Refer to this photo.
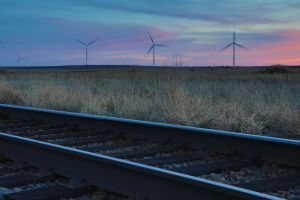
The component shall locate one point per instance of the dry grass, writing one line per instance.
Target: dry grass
(234, 100)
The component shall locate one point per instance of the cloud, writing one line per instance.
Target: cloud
(220, 11)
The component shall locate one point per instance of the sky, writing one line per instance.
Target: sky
(45, 32)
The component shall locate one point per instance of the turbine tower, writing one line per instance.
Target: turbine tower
(86, 48)
(19, 57)
(152, 48)
(233, 44)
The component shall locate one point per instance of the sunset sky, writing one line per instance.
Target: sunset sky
(45, 31)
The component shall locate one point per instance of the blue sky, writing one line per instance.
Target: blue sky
(45, 31)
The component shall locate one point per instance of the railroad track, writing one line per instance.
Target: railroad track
(147, 160)
(20, 181)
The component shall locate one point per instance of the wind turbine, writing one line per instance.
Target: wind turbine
(152, 48)
(86, 48)
(233, 44)
(19, 57)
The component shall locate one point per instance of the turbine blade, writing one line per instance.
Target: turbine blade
(80, 41)
(241, 46)
(92, 42)
(150, 49)
(226, 47)
(161, 45)
(151, 38)
(18, 55)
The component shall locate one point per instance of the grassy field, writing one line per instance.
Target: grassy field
(258, 101)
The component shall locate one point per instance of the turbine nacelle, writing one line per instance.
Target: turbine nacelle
(86, 44)
(233, 44)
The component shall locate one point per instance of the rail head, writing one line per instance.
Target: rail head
(134, 122)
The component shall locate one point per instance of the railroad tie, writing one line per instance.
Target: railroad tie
(63, 135)
(29, 128)
(207, 168)
(105, 147)
(272, 184)
(17, 125)
(177, 158)
(13, 169)
(84, 140)
(130, 154)
(43, 133)
(16, 180)
(51, 134)
(24, 179)
(49, 193)
(78, 134)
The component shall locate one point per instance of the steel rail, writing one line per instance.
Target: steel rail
(118, 175)
(271, 149)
